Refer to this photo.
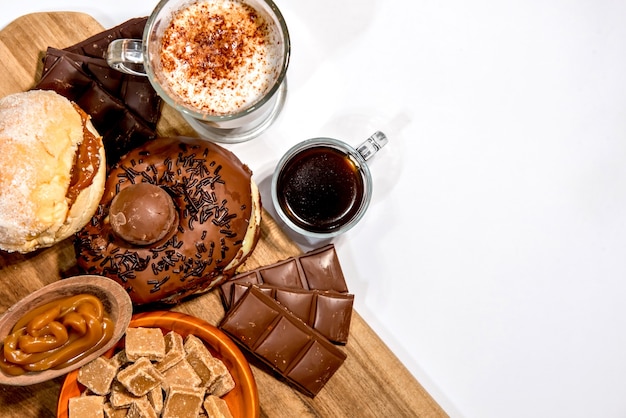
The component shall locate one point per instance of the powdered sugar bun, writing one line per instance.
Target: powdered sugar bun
(53, 170)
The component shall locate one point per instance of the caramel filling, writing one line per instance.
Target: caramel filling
(56, 335)
(86, 161)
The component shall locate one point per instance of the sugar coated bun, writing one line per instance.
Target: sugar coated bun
(53, 170)
(178, 217)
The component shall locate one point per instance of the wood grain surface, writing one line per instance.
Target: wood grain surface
(371, 383)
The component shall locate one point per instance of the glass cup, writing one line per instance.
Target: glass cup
(223, 70)
(322, 187)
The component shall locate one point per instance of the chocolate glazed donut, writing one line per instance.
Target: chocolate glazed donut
(178, 216)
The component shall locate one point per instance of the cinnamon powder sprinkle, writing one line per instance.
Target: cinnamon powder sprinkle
(219, 57)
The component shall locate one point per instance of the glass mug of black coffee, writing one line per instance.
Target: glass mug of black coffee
(322, 186)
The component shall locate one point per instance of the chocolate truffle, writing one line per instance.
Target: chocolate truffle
(142, 214)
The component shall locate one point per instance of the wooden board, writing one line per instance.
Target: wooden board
(371, 383)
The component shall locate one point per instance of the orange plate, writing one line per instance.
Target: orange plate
(243, 400)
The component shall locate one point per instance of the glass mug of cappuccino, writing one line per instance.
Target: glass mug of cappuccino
(322, 187)
(220, 63)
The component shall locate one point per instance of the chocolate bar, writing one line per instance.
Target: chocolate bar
(124, 108)
(295, 351)
(317, 269)
(121, 129)
(96, 45)
(325, 311)
(135, 92)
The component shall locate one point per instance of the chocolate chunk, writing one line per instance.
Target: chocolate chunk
(96, 45)
(295, 351)
(327, 312)
(135, 92)
(121, 129)
(318, 269)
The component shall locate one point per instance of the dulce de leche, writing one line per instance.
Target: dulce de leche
(56, 335)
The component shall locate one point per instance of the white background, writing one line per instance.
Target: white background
(492, 259)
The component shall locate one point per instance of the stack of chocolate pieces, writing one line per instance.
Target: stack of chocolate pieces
(124, 108)
(292, 315)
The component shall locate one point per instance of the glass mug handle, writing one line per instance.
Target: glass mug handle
(126, 55)
(372, 145)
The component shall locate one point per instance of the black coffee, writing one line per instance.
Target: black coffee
(320, 189)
